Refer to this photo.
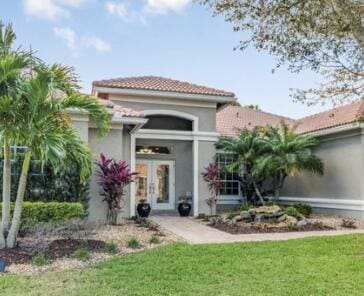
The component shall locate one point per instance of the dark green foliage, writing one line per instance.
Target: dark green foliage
(51, 211)
(39, 260)
(134, 243)
(44, 184)
(155, 239)
(292, 211)
(304, 209)
(82, 254)
(111, 248)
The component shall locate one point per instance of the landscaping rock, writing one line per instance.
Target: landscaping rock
(268, 210)
(302, 223)
(291, 220)
(237, 219)
(246, 215)
(282, 218)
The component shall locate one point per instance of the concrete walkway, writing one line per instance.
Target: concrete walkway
(194, 232)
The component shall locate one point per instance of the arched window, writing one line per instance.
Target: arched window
(167, 122)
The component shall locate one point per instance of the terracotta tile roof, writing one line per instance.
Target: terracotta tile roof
(161, 84)
(120, 111)
(342, 115)
(231, 119)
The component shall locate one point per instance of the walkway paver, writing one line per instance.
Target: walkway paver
(196, 233)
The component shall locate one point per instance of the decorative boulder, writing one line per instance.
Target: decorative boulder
(246, 215)
(282, 218)
(237, 219)
(268, 209)
(302, 223)
(291, 220)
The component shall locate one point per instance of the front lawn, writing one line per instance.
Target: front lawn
(313, 266)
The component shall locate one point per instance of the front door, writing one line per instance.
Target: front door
(155, 183)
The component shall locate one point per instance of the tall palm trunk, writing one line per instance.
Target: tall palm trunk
(6, 188)
(2, 238)
(15, 223)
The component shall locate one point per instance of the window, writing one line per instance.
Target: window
(230, 180)
(152, 150)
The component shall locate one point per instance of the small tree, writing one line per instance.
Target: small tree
(114, 176)
(211, 176)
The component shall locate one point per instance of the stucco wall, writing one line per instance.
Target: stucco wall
(343, 159)
(181, 153)
(111, 146)
(207, 153)
(206, 115)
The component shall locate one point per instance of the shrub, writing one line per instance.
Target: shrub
(245, 206)
(51, 211)
(232, 214)
(155, 239)
(111, 248)
(304, 209)
(133, 243)
(292, 211)
(39, 260)
(82, 254)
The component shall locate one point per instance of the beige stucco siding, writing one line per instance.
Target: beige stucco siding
(342, 155)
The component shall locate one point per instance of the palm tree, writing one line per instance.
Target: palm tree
(13, 66)
(248, 147)
(43, 126)
(289, 153)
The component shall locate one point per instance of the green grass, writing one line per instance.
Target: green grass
(313, 266)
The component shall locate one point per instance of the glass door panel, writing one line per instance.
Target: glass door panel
(142, 181)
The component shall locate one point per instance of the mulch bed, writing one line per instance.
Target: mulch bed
(57, 249)
(243, 229)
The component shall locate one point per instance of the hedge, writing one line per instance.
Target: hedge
(51, 211)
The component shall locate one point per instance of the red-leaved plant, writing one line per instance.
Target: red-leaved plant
(114, 176)
(211, 176)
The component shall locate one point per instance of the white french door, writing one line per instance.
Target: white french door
(155, 183)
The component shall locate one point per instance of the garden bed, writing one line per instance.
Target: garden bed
(265, 228)
(59, 245)
(278, 219)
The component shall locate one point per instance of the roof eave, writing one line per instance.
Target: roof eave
(165, 94)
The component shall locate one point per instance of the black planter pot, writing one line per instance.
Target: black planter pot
(143, 210)
(184, 209)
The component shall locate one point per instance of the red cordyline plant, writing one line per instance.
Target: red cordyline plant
(114, 176)
(211, 176)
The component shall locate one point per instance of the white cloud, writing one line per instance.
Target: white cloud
(45, 9)
(164, 6)
(50, 9)
(122, 11)
(68, 36)
(96, 43)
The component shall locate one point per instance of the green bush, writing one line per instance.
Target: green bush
(133, 243)
(245, 206)
(111, 248)
(304, 209)
(82, 254)
(51, 211)
(39, 260)
(155, 239)
(292, 211)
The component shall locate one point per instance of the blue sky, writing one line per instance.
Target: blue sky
(173, 38)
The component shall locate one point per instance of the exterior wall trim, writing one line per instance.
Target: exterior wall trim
(328, 203)
(165, 94)
(336, 129)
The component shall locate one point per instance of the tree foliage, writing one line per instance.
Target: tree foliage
(325, 36)
(267, 156)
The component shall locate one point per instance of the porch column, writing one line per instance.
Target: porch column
(195, 177)
(132, 168)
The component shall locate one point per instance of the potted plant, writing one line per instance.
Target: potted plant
(143, 208)
(184, 208)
